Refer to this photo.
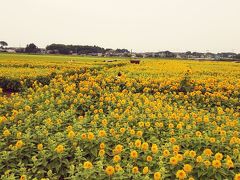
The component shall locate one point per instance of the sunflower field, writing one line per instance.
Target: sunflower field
(160, 119)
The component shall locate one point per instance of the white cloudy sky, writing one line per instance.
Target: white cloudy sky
(141, 25)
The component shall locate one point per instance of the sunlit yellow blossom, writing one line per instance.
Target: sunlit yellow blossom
(207, 152)
(40, 147)
(176, 148)
(161, 125)
(119, 148)
(199, 159)
(218, 156)
(102, 146)
(90, 136)
(19, 135)
(186, 153)
(179, 126)
(192, 153)
(145, 170)
(6, 133)
(157, 176)
(181, 174)
(141, 124)
(87, 165)
(147, 124)
(173, 160)
(122, 130)
(172, 140)
(216, 163)
(229, 164)
(104, 122)
(116, 158)
(212, 140)
(166, 153)
(23, 177)
(154, 148)
(207, 163)
(170, 125)
(71, 134)
(19, 144)
(139, 133)
(144, 146)
(110, 170)
(134, 154)
(102, 133)
(135, 170)
(27, 108)
(138, 143)
(237, 176)
(59, 148)
(179, 157)
(101, 152)
(187, 168)
(198, 134)
(118, 168)
(149, 158)
(84, 136)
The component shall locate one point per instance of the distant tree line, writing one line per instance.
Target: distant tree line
(237, 56)
(94, 50)
(69, 49)
(79, 49)
(122, 51)
(65, 49)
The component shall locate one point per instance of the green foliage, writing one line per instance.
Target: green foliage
(186, 84)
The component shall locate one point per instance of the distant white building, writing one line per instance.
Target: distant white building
(11, 50)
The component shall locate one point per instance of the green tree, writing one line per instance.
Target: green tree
(31, 48)
(3, 43)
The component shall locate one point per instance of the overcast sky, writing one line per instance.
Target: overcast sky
(140, 25)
